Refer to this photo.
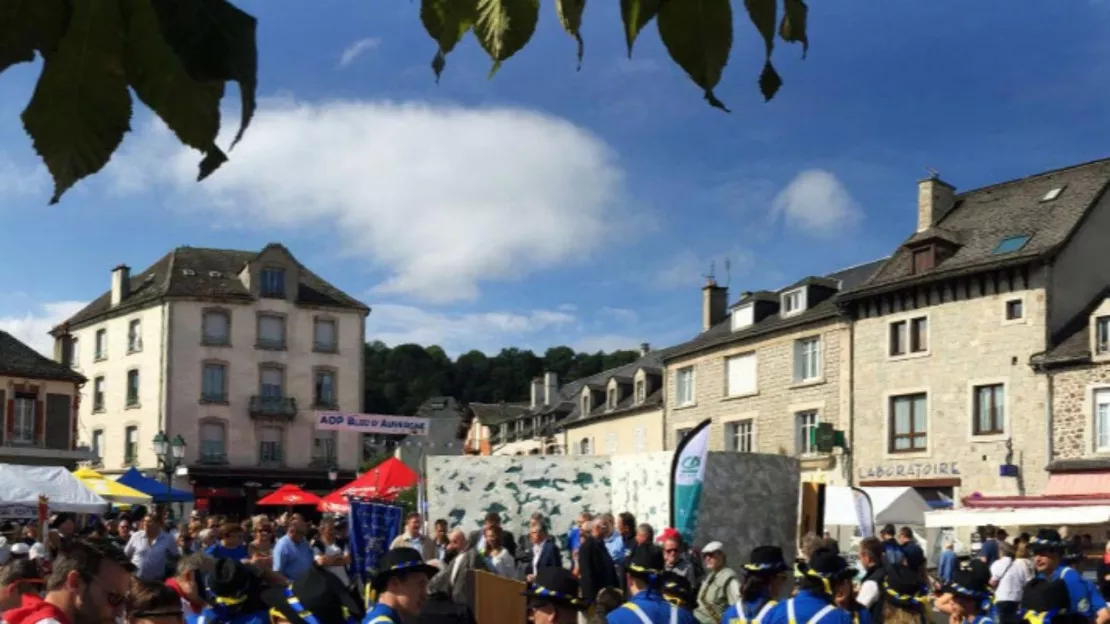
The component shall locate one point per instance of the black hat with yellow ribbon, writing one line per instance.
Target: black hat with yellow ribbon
(1048, 602)
(828, 567)
(646, 563)
(555, 585)
(316, 597)
(400, 562)
(904, 588)
(971, 581)
(677, 590)
(1047, 540)
(232, 585)
(766, 560)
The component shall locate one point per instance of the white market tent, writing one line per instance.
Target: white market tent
(899, 506)
(22, 485)
(1019, 516)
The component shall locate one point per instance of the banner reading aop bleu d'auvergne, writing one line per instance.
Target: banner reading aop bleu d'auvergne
(372, 423)
(687, 475)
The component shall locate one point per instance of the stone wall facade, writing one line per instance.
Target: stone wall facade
(970, 343)
(1073, 410)
(749, 499)
(778, 399)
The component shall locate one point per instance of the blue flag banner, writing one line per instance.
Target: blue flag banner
(374, 525)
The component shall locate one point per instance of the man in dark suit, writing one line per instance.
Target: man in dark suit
(477, 540)
(543, 552)
(595, 565)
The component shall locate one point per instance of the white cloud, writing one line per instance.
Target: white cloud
(688, 270)
(356, 49)
(16, 180)
(606, 342)
(33, 326)
(441, 197)
(622, 316)
(396, 324)
(817, 203)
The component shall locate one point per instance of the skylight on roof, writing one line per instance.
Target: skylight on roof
(1053, 194)
(1011, 244)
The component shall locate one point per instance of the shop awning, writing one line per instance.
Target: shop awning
(1019, 516)
(1078, 483)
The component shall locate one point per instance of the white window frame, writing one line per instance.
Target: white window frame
(262, 381)
(611, 443)
(134, 335)
(23, 420)
(326, 451)
(743, 316)
(802, 356)
(797, 302)
(128, 400)
(325, 347)
(100, 345)
(639, 389)
(689, 397)
(585, 446)
(212, 339)
(129, 432)
(908, 320)
(741, 390)
(887, 411)
(972, 386)
(612, 396)
(1006, 301)
(1099, 396)
(99, 384)
(97, 444)
(802, 446)
(1100, 336)
(736, 438)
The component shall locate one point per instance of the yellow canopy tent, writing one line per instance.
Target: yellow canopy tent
(111, 491)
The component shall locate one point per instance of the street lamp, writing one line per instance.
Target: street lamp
(171, 454)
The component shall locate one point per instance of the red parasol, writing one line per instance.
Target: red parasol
(287, 496)
(384, 481)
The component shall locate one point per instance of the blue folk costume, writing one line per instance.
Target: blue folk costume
(398, 562)
(316, 597)
(233, 591)
(765, 563)
(971, 583)
(554, 586)
(648, 606)
(814, 602)
(1084, 598)
(677, 590)
(1047, 602)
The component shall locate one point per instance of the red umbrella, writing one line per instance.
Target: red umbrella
(384, 481)
(289, 495)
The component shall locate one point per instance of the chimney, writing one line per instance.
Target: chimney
(714, 304)
(537, 392)
(645, 348)
(550, 388)
(121, 284)
(935, 198)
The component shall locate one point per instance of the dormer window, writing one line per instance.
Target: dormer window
(586, 405)
(273, 283)
(612, 399)
(641, 391)
(924, 259)
(742, 316)
(793, 302)
(1102, 335)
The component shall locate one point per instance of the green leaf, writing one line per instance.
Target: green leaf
(570, 16)
(769, 81)
(764, 16)
(189, 107)
(30, 25)
(215, 41)
(81, 107)
(793, 27)
(698, 36)
(505, 26)
(636, 14)
(446, 22)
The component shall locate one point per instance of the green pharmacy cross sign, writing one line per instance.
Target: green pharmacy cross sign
(823, 438)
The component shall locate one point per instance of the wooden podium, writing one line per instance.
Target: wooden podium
(497, 599)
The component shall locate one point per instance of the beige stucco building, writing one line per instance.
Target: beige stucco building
(767, 371)
(944, 399)
(232, 350)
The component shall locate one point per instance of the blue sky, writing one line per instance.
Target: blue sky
(549, 206)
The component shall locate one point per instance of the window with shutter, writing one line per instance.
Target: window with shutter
(741, 371)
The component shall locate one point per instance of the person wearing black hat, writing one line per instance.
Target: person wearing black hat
(1047, 602)
(316, 597)
(967, 597)
(824, 576)
(678, 591)
(233, 595)
(646, 604)
(554, 597)
(401, 586)
(1048, 551)
(764, 578)
(903, 597)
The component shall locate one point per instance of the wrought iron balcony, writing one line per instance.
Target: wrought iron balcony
(273, 407)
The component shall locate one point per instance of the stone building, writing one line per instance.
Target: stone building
(1077, 372)
(944, 399)
(232, 350)
(767, 370)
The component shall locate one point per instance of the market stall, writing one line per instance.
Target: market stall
(288, 495)
(112, 491)
(382, 482)
(157, 490)
(21, 486)
(900, 506)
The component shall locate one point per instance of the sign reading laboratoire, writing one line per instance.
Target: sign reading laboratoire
(372, 423)
(915, 471)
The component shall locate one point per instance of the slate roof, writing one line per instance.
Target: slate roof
(207, 274)
(983, 217)
(721, 334)
(490, 414)
(19, 360)
(1071, 345)
(571, 392)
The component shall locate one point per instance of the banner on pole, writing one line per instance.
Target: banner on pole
(372, 423)
(687, 475)
(373, 527)
(865, 514)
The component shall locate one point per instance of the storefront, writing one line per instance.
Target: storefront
(232, 491)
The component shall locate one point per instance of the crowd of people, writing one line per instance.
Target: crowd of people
(141, 569)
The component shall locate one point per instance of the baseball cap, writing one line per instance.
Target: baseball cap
(712, 547)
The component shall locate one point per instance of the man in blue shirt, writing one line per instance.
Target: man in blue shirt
(401, 586)
(317, 597)
(822, 577)
(989, 551)
(1048, 550)
(292, 554)
(946, 565)
(646, 604)
(230, 545)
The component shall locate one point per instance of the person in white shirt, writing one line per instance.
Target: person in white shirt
(1009, 574)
